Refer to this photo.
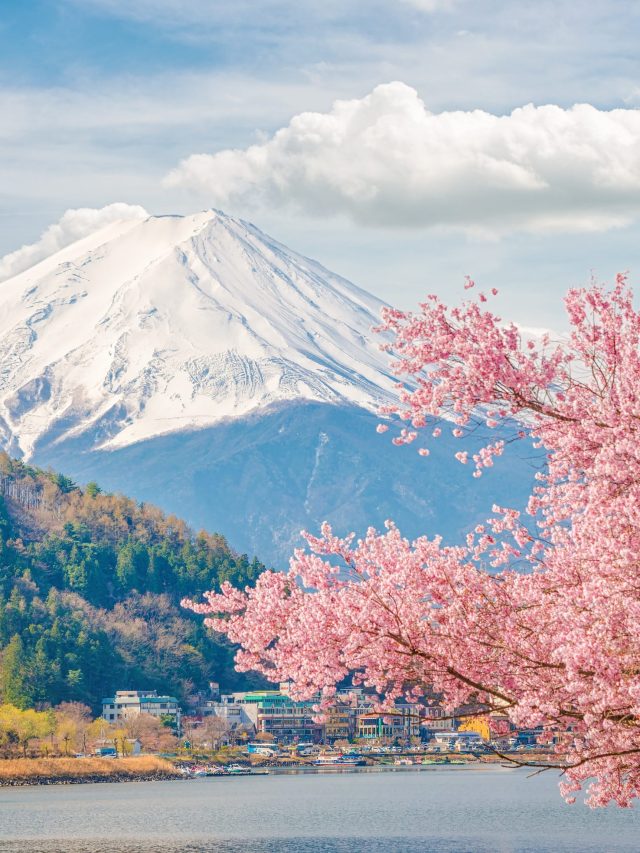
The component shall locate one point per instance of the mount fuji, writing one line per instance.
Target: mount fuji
(199, 364)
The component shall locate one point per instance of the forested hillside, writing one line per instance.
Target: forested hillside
(90, 585)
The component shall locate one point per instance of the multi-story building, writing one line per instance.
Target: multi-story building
(339, 723)
(402, 724)
(238, 715)
(127, 703)
(436, 719)
(278, 715)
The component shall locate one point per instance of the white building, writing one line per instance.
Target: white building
(128, 703)
(459, 741)
(236, 713)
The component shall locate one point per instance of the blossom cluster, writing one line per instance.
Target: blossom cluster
(540, 620)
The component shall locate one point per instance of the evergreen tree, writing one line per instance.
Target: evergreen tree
(15, 681)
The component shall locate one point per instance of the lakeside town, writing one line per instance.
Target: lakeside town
(273, 717)
(219, 733)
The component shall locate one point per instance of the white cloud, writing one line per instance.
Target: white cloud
(73, 225)
(386, 160)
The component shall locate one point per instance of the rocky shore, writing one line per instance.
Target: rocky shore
(72, 771)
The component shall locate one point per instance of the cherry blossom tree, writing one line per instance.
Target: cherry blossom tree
(534, 615)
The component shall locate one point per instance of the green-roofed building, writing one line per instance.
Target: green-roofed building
(279, 715)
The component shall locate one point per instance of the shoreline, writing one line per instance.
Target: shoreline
(26, 772)
(175, 776)
(35, 781)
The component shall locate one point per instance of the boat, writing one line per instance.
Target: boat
(339, 761)
(327, 760)
(238, 770)
(352, 760)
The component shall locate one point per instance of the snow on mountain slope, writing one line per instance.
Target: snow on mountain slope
(147, 327)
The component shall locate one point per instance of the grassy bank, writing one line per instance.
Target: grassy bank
(50, 771)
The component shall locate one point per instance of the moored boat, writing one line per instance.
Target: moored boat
(339, 761)
(238, 770)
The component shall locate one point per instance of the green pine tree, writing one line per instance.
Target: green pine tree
(15, 682)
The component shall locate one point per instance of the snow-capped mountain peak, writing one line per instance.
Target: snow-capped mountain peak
(168, 323)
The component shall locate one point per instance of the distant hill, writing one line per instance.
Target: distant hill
(264, 478)
(90, 585)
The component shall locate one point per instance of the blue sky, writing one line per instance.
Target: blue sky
(101, 100)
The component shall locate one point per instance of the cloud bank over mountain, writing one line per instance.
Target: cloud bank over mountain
(72, 226)
(386, 160)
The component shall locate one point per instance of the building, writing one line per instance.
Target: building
(276, 714)
(241, 718)
(339, 723)
(459, 741)
(128, 703)
(371, 726)
(479, 724)
(402, 724)
(268, 750)
(434, 718)
(110, 747)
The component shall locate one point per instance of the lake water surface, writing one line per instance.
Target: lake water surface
(444, 810)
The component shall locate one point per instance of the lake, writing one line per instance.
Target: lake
(444, 810)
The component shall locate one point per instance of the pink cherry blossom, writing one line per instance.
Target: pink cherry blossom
(535, 616)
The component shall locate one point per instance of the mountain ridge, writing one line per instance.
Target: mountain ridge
(157, 325)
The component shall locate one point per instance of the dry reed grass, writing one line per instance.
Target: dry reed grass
(32, 769)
